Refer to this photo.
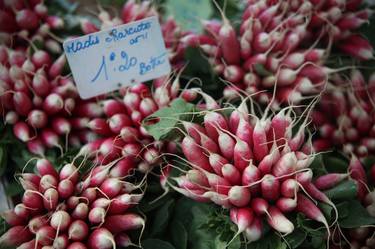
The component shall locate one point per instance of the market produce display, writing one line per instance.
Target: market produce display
(262, 135)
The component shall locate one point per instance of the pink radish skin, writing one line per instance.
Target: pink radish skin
(255, 230)
(57, 66)
(260, 139)
(46, 182)
(123, 240)
(65, 188)
(41, 58)
(100, 126)
(250, 175)
(270, 188)
(22, 103)
(44, 167)
(29, 245)
(78, 245)
(80, 212)
(60, 220)
(231, 173)
(22, 131)
(120, 223)
(118, 121)
(89, 110)
(286, 204)
(12, 219)
(111, 187)
(15, 236)
(285, 165)
(61, 126)
(51, 198)
(242, 217)
(21, 211)
(289, 188)
(308, 208)
(50, 138)
(279, 222)
(101, 238)
(69, 171)
(239, 196)
(61, 242)
(53, 103)
(45, 235)
(195, 154)
(32, 200)
(90, 194)
(330, 180)
(216, 162)
(78, 230)
(37, 119)
(40, 85)
(27, 19)
(36, 223)
(259, 206)
(97, 215)
(122, 168)
(358, 174)
(241, 155)
(112, 107)
(213, 122)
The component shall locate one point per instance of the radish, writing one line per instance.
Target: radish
(80, 211)
(120, 223)
(53, 103)
(22, 103)
(239, 196)
(65, 188)
(15, 236)
(50, 199)
(78, 230)
(61, 242)
(12, 218)
(255, 230)
(101, 238)
(45, 235)
(22, 131)
(46, 182)
(270, 187)
(259, 206)
(37, 119)
(60, 220)
(97, 215)
(279, 222)
(329, 180)
(27, 19)
(21, 211)
(77, 245)
(308, 208)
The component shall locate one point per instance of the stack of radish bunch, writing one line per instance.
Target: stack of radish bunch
(252, 166)
(22, 22)
(62, 210)
(271, 48)
(133, 11)
(345, 116)
(267, 51)
(35, 98)
(338, 21)
(117, 123)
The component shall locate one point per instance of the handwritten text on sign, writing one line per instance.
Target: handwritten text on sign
(104, 61)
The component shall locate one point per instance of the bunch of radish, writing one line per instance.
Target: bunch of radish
(253, 166)
(66, 210)
(277, 45)
(35, 98)
(113, 126)
(345, 117)
(132, 10)
(360, 237)
(22, 22)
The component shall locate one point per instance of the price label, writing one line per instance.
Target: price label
(104, 61)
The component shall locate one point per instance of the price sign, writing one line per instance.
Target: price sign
(104, 61)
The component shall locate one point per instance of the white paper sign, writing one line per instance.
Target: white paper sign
(104, 61)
